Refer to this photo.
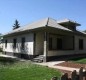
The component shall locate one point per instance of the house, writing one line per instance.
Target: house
(46, 37)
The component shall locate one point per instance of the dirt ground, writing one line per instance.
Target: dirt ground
(72, 65)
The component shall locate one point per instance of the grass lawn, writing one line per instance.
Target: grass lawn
(80, 60)
(26, 71)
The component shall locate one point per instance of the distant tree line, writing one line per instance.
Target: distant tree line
(84, 31)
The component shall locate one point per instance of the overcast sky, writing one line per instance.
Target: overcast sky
(27, 11)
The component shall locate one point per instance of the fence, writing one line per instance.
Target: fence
(74, 75)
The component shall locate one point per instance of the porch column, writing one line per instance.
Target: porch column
(45, 46)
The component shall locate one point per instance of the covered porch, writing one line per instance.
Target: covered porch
(52, 43)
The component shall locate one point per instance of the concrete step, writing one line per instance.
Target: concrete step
(38, 58)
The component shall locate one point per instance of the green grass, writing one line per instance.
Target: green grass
(80, 60)
(26, 71)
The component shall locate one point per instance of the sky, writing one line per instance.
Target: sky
(28, 11)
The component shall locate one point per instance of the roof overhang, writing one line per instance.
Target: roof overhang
(68, 22)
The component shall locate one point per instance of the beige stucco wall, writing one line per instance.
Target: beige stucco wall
(59, 52)
(29, 44)
(69, 52)
(39, 43)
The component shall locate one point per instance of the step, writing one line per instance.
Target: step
(38, 58)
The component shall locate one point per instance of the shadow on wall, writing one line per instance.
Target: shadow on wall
(24, 53)
(19, 48)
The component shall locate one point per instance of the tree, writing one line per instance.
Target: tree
(16, 25)
(84, 31)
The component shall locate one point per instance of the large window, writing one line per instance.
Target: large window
(14, 43)
(80, 44)
(61, 42)
(55, 43)
(23, 43)
(5, 43)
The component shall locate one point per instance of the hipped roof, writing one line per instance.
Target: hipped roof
(47, 22)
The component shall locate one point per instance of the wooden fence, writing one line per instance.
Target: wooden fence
(74, 75)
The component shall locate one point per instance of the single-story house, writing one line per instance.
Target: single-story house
(46, 37)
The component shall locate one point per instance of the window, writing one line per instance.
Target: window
(59, 44)
(50, 43)
(14, 43)
(5, 43)
(55, 44)
(80, 44)
(23, 43)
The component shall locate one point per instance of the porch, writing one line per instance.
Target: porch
(50, 44)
